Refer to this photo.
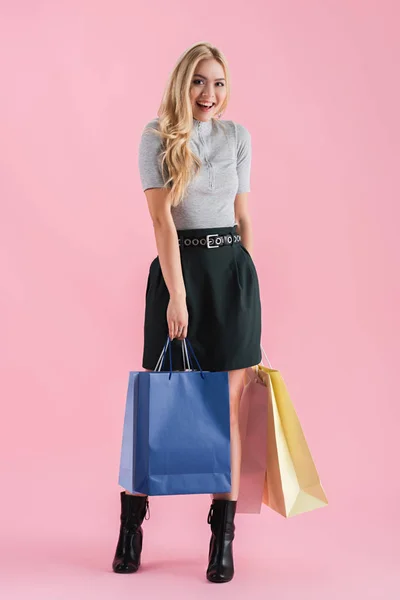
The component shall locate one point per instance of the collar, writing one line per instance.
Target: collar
(204, 127)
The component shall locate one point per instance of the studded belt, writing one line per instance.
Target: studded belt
(212, 240)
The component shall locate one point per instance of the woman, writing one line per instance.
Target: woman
(195, 173)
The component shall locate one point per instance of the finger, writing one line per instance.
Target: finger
(170, 326)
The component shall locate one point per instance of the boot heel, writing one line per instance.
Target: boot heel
(130, 541)
(220, 557)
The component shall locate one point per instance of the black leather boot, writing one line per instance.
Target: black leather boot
(129, 547)
(221, 518)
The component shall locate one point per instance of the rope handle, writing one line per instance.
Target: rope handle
(265, 354)
(185, 357)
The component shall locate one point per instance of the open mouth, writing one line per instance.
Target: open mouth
(205, 106)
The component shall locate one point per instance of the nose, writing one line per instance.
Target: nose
(208, 92)
(207, 98)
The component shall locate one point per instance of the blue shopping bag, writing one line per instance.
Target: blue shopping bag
(176, 433)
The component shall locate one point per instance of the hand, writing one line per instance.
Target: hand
(177, 318)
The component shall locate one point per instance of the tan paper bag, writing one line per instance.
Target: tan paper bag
(292, 485)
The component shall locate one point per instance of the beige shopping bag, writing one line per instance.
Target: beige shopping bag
(292, 485)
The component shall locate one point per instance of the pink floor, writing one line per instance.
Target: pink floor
(334, 552)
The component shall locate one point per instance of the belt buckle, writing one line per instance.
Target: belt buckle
(210, 235)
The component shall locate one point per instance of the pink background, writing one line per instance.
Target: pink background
(316, 83)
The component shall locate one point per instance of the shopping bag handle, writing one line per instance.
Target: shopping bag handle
(187, 365)
(186, 341)
(167, 347)
(163, 354)
(263, 351)
(185, 354)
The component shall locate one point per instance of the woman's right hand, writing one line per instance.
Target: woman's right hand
(177, 317)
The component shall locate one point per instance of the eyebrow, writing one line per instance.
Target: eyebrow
(202, 76)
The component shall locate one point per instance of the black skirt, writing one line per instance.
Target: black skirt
(223, 301)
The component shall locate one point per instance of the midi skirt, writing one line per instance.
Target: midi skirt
(223, 302)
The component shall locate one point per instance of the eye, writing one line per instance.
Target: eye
(197, 81)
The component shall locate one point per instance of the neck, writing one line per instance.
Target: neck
(203, 126)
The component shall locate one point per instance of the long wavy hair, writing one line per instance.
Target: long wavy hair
(179, 164)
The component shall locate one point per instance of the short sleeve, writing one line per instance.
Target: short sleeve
(149, 158)
(243, 162)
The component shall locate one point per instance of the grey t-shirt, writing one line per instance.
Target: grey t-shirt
(225, 151)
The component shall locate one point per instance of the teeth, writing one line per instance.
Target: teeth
(206, 105)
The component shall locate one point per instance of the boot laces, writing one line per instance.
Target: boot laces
(132, 522)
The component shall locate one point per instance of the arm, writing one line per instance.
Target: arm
(243, 167)
(243, 220)
(170, 260)
(159, 204)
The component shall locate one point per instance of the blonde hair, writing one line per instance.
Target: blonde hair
(176, 119)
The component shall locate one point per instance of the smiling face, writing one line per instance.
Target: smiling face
(207, 87)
